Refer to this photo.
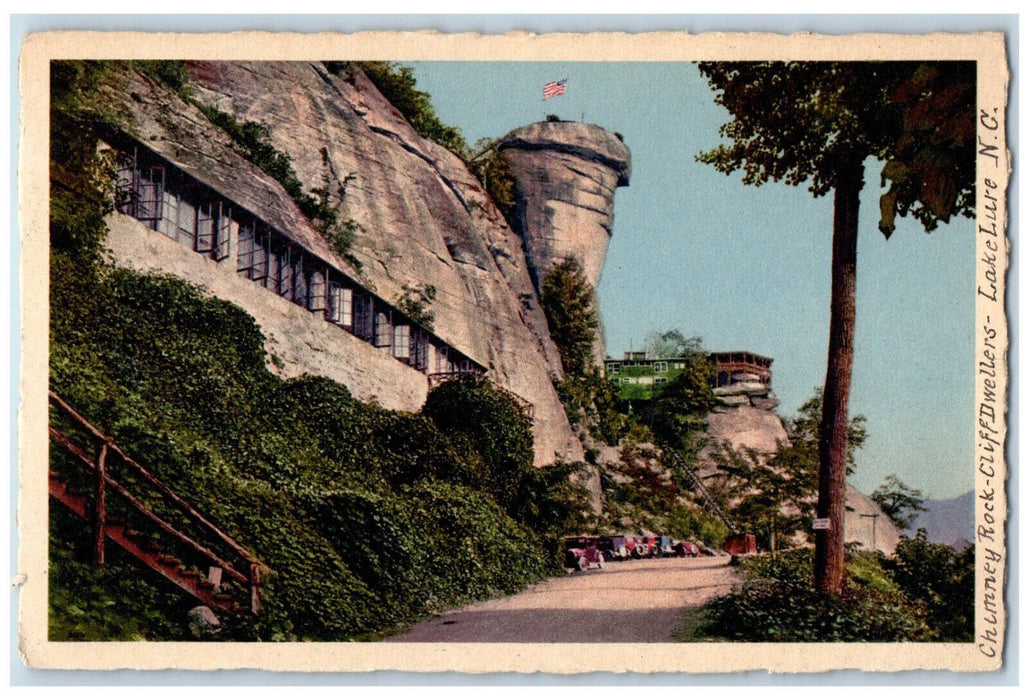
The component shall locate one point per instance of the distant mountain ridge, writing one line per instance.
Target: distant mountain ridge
(950, 521)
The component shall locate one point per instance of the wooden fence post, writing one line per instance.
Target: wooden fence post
(100, 507)
(255, 588)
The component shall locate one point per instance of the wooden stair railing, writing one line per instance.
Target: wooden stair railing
(203, 587)
(694, 482)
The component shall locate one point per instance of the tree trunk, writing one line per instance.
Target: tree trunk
(832, 442)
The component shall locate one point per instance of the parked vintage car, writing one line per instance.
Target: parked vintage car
(645, 548)
(687, 549)
(613, 548)
(582, 552)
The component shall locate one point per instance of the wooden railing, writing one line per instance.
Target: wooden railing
(98, 461)
(671, 457)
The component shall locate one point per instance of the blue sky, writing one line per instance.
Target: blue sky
(748, 267)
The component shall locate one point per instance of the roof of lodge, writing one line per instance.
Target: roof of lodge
(714, 355)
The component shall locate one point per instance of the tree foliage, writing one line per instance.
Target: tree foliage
(566, 297)
(898, 501)
(943, 579)
(671, 343)
(678, 412)
(796, 122)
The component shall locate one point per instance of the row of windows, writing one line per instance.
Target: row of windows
(640, 380)
(659, 366)
(178, 207)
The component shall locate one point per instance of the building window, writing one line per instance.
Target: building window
(363, 318)
(383, 330)
(402, 342)
(613, 367)
(419, 356)
(347, 307)
(660, 380)
(442, 361)
(253, 256)
(341, 305)
(178, 206)
(660, 366)
(301, 283)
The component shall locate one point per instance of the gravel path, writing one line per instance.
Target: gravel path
(632, 601)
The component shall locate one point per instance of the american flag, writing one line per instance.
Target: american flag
(554, 89)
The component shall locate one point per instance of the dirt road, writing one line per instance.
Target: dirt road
(632, 601)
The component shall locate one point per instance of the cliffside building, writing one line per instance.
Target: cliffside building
(638, 376)
(168, 200)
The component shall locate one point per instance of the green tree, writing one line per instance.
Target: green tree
(678, 412)
(819, 122)
(567, 300)
(898, 501)
(672, 343)
(943, 579)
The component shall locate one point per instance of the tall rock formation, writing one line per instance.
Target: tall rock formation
(565, 177)
(418, 217)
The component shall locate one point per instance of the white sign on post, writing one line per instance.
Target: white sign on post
(821, 524)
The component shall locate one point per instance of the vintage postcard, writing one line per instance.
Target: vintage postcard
(562, 353)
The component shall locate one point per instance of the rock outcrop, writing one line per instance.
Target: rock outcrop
(565, 177)
(743, 418)
(418, 215)
(866, 526)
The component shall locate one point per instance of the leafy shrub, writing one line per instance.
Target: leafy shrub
(777, 603)
(786, 611)
(943, 579)
(492, 424)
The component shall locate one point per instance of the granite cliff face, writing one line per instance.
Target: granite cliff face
(418, 215)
